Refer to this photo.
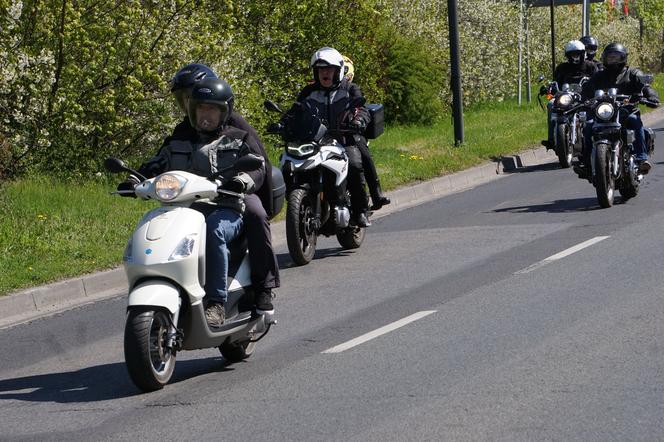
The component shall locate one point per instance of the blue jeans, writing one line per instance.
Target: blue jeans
(633, 122)
(223, 226)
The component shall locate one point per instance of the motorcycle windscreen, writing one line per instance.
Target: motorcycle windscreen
(302, 124)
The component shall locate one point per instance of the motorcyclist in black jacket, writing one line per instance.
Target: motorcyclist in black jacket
(628, 81)
(378, 199)
(340, 105)
(258, 206)
(572, 71)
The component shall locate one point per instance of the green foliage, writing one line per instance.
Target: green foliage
(82, 80)
(412, 81)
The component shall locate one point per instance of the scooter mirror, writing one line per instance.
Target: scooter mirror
(272, 106)
(248, 163)
(114, 165)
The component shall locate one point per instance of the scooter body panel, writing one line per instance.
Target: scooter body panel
(155, 292)
(169, 243)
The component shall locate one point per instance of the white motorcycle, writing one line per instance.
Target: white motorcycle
(315, 168)
(165, 266)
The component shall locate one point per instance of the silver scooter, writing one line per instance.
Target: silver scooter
(165, 266)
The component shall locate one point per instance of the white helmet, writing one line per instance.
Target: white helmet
(575, 51)
(328, 57)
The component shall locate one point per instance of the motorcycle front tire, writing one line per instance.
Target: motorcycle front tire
(299, 235)
(564, 148)
(604, 181)
(149, 362)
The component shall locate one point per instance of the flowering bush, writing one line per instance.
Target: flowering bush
(82, 80)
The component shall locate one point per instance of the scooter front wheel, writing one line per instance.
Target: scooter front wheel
(149, 362)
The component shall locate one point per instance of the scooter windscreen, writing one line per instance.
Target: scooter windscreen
(302, 124)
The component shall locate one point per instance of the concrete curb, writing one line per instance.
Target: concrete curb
(53, 298)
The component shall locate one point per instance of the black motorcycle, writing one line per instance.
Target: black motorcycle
(612, 159)
(567, 126)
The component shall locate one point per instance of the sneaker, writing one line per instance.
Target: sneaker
(644, 167)
(264, 303)
(215, 314)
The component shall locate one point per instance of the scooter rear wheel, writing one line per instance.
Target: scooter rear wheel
(149, 362)
(237, 351)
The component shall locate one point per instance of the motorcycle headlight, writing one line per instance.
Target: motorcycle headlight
(184, 248)
(168, 186)
(564, 100)
(301, 150)
(604, 111)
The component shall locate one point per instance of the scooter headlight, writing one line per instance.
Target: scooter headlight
(301, 150)
(564, 100)
(604, 111)
(168, 186)
(184, 249)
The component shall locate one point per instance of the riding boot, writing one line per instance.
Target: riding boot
(378, 200)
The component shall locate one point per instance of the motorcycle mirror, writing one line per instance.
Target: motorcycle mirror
(647, 79)
(272, 106)
(540, 78)
(613, 92)
(248, 163)
(114, 165)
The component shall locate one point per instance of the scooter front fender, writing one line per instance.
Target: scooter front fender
(156, 293)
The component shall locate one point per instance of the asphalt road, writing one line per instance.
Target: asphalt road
(537, 316)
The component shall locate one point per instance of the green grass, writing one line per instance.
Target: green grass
(55, 230)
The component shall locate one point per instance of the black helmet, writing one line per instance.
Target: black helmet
(211, 91)
(614, 56)
(186, 78)
(590, 43)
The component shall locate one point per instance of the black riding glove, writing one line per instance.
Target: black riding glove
(126, 188)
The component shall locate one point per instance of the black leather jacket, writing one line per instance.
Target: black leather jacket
(628, 81)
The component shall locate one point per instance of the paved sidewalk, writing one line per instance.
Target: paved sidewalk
(49, 299)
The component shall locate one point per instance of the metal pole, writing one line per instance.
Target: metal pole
(528, 86)
(553, 39)
(585, 19)
(520, 70)
(457, 95)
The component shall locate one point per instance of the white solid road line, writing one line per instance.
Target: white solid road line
(378, 332)
(562, 254)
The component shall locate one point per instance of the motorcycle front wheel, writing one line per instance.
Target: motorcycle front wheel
(149, 362)
(604, 180)
(564, 147)
(300, 234)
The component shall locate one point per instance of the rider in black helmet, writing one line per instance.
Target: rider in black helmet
(590, 43)
(259, 209)
(629, 81)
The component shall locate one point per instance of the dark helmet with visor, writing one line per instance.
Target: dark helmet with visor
(184, 79)
(590, 43)
(614, 56)
(212, 91)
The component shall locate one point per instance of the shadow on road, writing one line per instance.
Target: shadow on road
(558, 206)
(94, 384)
(285, 261)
